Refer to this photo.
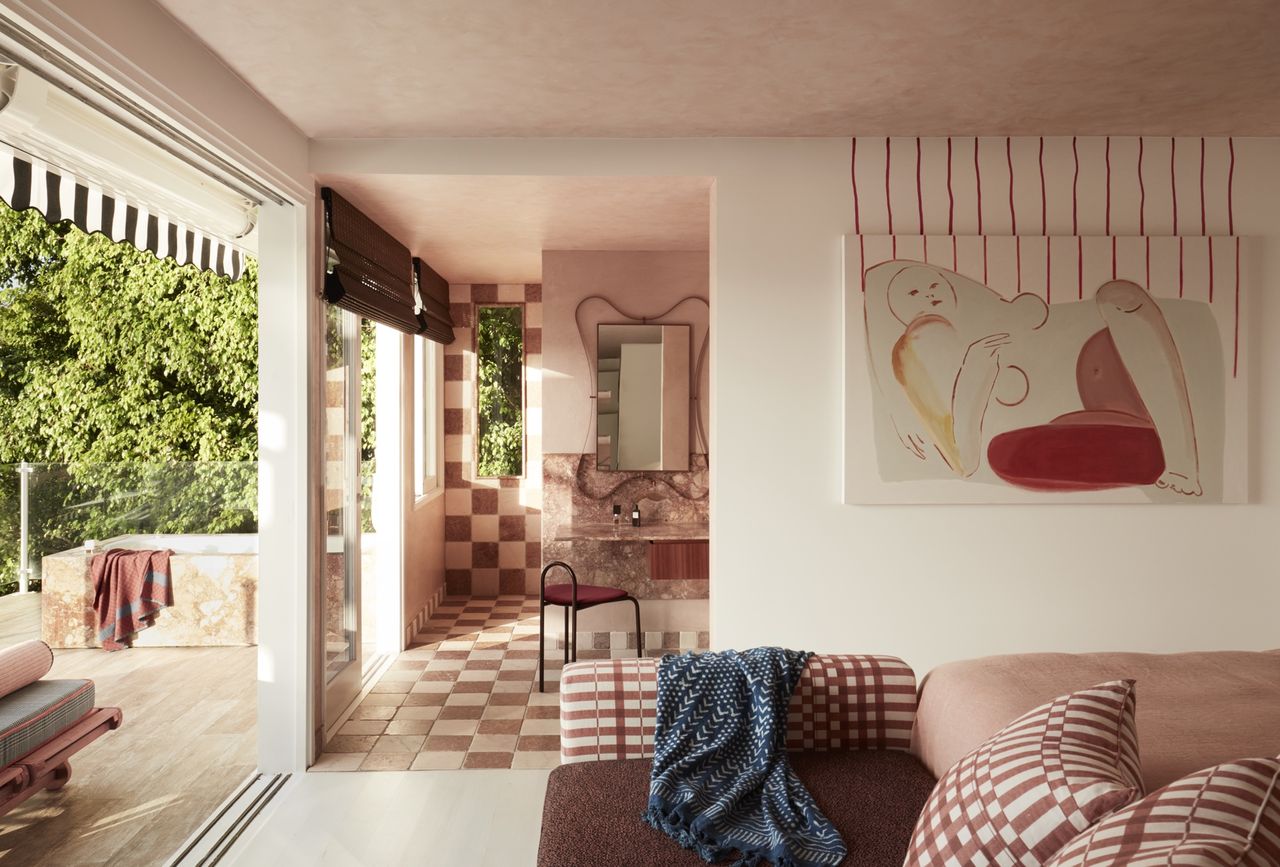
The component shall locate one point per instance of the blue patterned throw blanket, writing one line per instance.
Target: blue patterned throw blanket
(721, 782)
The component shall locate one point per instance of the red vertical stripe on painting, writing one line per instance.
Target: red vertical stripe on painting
(925, 238)
(1075, 184)
(1008, 153)
(862, 260)
(955, 255)
(1210, 240)
(1044, 199)
(984, 259)
(1048, 269)
(977, 176)
(894, 241)
(1173, 181)
(1180, 280)
(1142, 197)
(1113, 257)
(1148, 286)
(951, 199)
(1080, 266)
(919, 191)
(1017, 246)
(1108, 157)
(853, 176)
(1235, 363)
(1202, 224)
(1231, 176)
(888, 200)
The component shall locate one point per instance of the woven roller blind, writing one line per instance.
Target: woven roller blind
(367, 271)
(433, 291)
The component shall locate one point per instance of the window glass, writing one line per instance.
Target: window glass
(500, 391)
(426, 392)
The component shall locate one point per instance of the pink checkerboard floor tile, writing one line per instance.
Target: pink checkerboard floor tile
(463, 696)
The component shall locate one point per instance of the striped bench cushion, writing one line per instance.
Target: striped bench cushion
(1036, 784)
(38, 712)
(1225, 815)
(843, 701)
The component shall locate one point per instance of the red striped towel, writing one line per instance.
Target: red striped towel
(129, 589)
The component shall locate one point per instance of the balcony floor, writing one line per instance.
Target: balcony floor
(188, 740)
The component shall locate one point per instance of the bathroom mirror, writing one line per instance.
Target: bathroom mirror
(642, 399)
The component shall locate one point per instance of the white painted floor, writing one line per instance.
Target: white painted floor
(380, 819)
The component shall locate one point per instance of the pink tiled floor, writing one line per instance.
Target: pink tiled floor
(466, 696)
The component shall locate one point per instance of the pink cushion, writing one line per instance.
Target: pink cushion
(1226, 815)
(588, 594)
(1036, 785)
(1197, 710)
(23, 664)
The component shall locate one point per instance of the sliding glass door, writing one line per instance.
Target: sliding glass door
(342, 482)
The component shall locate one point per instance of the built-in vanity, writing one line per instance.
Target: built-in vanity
(639, 375)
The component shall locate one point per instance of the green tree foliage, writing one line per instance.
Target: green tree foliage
(136, 377)
(500, 350)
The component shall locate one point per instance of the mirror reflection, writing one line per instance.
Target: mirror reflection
(642, 401)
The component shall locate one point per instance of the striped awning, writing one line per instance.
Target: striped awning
(29, 183)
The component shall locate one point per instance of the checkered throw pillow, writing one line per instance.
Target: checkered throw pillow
(843, 702)
(1222, 816)
(1037, 784)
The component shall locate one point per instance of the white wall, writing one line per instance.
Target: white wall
(790, 563)
(423, 516)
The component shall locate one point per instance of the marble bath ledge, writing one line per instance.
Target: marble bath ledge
(655, 532)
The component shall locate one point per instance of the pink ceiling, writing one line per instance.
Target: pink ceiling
(375, 68)
(493, 229)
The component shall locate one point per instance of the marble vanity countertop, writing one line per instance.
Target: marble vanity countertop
(655, 532)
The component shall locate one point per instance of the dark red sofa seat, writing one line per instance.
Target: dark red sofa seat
(592, 812)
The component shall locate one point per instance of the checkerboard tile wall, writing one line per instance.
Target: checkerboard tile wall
(493, 527)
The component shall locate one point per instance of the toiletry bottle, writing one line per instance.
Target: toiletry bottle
(617, 513)
(635, 514)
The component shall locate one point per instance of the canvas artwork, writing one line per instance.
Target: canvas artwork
(1045, 369)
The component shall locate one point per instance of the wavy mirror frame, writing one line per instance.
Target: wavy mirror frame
(695, 398)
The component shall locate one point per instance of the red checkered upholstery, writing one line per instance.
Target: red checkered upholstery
(608, 707)
(1225, 815)
(1036, 784)
(852, 702)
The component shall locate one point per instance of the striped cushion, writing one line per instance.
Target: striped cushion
(1226, 815)
(22, 664)
(1034, 786)
(38, 712)
(608, 707)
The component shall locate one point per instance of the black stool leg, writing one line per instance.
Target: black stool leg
(566, 634)
(575, 633)
(639, 634)
(542, 631)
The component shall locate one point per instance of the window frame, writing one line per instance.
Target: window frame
(428, 427)
(476, 307)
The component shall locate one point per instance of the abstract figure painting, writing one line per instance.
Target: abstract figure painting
(1045, 369)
